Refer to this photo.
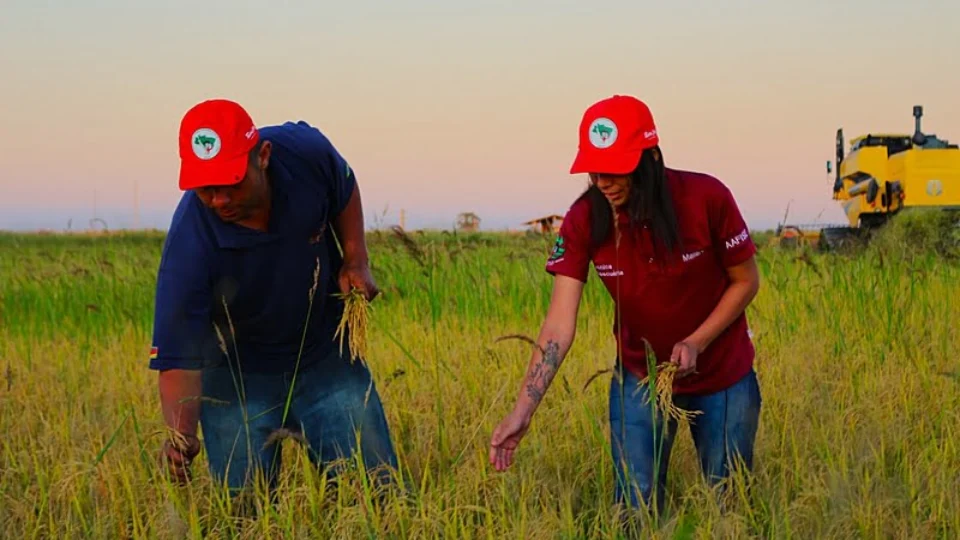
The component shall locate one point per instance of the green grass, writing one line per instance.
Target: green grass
(857, 359)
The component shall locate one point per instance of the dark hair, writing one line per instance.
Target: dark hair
(254, 152)
(649, 200)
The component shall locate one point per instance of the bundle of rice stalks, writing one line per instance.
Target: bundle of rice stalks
(663, 387)
(356, 310)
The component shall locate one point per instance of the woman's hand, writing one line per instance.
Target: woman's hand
(685, 356)
(506, 438)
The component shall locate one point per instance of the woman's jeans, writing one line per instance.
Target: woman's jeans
(723, 434)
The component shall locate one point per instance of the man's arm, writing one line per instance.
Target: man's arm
(339, 183)
(179, 393)
(349, 228)
(356, 262)
(182, 333)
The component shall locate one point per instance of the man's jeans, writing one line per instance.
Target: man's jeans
(723, 434)
(332, 403)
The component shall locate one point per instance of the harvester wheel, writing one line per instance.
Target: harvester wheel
(840, 238)
(789, 242)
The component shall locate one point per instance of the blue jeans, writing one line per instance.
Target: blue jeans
(332, 404)
(723, 433)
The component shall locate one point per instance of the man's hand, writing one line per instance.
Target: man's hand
(506, 438)
(179, 389)
(685, 356)
(358, 276)
(177, 454)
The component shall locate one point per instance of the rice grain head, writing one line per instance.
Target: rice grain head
(356, 311)
(665, 374)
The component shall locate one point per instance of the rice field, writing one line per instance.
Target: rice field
(858, 361)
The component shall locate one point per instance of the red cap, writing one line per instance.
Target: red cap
(216, 137)
(614, 133)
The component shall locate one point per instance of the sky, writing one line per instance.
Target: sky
(446, 107)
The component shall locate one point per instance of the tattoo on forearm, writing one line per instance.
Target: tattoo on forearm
(544, 371)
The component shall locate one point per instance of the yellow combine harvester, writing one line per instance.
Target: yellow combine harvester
(886, 173)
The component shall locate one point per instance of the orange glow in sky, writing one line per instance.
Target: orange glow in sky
(443, 108)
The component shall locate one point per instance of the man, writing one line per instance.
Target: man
(246, 306)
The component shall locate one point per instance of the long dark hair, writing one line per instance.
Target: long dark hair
(649, 200)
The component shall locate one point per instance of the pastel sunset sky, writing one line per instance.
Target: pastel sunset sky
(443, 107)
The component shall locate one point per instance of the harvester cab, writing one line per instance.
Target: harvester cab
(884, 174)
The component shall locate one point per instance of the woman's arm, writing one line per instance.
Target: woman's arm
(744, 284)
(556, 337)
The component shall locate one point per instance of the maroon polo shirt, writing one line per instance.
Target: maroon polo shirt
(664, 301)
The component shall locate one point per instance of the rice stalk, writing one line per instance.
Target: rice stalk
(861, 447)
(356, 314)
(410, 245)
(521, 337)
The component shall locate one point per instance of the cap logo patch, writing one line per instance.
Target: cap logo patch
(206, 143)
(603, 133)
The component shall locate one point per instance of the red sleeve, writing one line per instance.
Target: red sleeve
(571, 251)
(731, 235)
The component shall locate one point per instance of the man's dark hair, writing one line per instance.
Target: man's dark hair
(255, 151)
(649, 199)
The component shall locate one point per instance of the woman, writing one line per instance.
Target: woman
(673, 250)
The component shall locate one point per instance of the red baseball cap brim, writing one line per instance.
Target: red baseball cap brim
(197, 174)
(603, 162)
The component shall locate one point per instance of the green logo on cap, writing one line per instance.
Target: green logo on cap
(206, 143)
(603, 133)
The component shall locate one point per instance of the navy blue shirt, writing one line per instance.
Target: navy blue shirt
(254, 287)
